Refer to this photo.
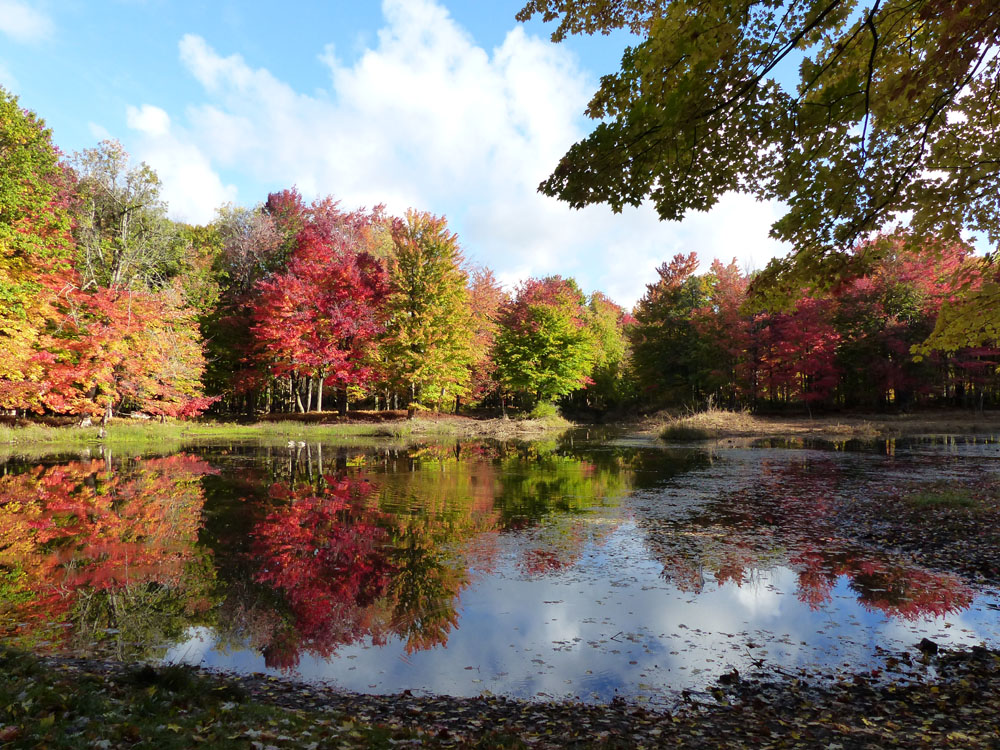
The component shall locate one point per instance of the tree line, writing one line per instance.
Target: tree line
(109, 307)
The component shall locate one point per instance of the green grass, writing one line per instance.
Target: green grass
(941, 496)
(34, 440)
(680, 432)
(171, 707)
(544, 410)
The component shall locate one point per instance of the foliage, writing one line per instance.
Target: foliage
(35, 243)
(123, 235)
(485, 298)
(698, 339)
(612, 378)
(544, 348)
(544, 410)
(428, 345)
(892, 117)
(320, 317)
(662, 339)
(118, 350)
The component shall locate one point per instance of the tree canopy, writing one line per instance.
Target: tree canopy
(892, 118)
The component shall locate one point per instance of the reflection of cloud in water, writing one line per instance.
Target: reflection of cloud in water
(574, 635)
(760, 597)
(194, 649)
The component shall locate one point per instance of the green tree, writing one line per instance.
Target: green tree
(544, 348)
(429, 342)
(665, 343)
(893, 116)
(612, 379)
(125, 239)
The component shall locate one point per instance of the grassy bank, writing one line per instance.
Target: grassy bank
(172, 435)
(718, 423)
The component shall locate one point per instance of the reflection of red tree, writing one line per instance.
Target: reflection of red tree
(790, 517)
(327, 554)
(896, 590)
(80, 526)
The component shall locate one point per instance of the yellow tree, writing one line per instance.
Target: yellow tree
(429, 351)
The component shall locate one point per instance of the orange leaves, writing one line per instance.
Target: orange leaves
(84, 526)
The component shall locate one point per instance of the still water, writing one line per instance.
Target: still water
(583, 568)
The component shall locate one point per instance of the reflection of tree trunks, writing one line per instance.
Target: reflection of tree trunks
(309, 462)
(341, 459)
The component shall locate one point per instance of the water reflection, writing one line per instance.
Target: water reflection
(103, 550)
(792, 511)
(567, 569)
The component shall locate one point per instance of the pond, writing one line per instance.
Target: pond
(581, 568)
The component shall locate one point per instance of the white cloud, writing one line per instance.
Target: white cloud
(99, 132)
(148, 119)
(23, 23)
(191, 187)
(425, 117)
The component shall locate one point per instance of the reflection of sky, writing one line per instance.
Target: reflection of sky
(611, 625)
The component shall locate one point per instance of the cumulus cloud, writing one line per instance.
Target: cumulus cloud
(426, 117)
(191, 186)
(22, 23)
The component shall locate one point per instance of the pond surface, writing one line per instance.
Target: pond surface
(574, 569)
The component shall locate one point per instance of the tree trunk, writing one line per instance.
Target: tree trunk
(309, 393)
(342, 402)
(298, 396)
(319, 393)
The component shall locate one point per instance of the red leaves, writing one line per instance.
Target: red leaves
(83, 526)
(328, 557)
(321, 316)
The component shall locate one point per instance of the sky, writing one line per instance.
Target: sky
(446, 106)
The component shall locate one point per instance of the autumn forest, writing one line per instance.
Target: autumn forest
(109, 307)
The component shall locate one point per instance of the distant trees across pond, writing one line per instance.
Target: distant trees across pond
(109, 307)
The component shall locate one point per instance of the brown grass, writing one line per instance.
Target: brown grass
(719, 423)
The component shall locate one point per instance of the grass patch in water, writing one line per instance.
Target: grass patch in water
(712, 423)
(941, 496)
(680, 432)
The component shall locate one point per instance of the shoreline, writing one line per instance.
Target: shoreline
(38, 439)
(718, 424)
(328, 426)
(951, 702)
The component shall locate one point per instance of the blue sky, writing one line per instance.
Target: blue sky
(448, 106)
